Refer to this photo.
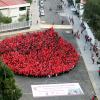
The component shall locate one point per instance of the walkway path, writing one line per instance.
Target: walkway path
(34, 10)
(91, 68)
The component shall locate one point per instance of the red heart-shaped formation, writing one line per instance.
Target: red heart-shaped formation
(38, 54)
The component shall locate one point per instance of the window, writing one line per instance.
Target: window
(22, 8)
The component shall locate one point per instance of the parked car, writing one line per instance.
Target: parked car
(41, 9)
(42, 13)
(41, 3)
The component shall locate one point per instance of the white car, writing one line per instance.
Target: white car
(42, 13)
(41, 3)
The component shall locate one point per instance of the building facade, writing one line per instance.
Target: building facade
(16, 9)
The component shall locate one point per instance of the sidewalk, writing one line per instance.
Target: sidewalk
(34, 10)
(91, 68)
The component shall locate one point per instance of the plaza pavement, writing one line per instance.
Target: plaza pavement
(86, 54)
(91, 68)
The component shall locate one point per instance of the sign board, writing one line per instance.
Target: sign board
(45, 90)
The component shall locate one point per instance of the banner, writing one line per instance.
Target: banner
(45, 90)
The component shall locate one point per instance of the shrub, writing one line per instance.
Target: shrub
(8, 89)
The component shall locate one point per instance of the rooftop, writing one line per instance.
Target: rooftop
(4, 3)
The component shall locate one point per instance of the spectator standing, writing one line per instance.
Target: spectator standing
(37, 21)
(62, 22)
(93, 58)
(83, 27)
(94, 97)
(77, 34)
(71, 20)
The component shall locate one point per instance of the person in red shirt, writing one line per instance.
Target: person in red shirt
(94, 97)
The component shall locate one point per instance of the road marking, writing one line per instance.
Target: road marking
(38, 27)
(42, 21)
(62, 14)
(68, 27)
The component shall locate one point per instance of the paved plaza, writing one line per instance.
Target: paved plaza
(85, 73)
(76, 75)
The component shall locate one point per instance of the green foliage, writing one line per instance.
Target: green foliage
(8, 72)
(27, 18)
(77, 1)
(4, 19)
(92, 15)
(97, 35)
(29, 1)
(8, 89)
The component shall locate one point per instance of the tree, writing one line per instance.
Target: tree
(4, 19)
(29, 1)
(77, 1)
(8, 89)
(92, 16)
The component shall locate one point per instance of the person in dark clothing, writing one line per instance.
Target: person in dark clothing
(83, 27)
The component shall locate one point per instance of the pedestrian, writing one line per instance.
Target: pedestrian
(93, 58)
(37, 21)
(49, 76)
(91, 46)
(72, 21)
(86, 38)
(95, 49)
(62, 22)
(56, 75)
(97, 54)
(61, 7)
(50, 9)
(82, 24)
(69, 19)
(83, 27)
(94, 97)
(89, 39)
(72, 32)
(77, 34)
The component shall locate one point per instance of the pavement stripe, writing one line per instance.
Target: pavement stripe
(68, 27)
(37, 27)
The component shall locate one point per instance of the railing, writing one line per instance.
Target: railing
(14, 26)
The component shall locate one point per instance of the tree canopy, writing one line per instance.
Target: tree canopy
(4, 19)
(92, 16)
(77, 1)
(8, 89)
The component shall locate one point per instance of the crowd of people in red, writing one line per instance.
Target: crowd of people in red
(38, 54)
